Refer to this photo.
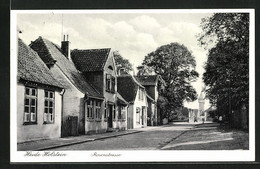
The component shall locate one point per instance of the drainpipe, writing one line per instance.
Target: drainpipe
(62, 94)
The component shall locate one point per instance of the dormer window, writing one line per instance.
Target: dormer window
(110, 67)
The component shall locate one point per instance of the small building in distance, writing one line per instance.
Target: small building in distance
(134, 93)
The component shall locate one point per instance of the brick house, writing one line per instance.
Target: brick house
(98, 68)
(39, 98)
(134, 93)
(152, 84)
(81, 101)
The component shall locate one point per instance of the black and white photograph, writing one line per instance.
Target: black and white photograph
(132, 85)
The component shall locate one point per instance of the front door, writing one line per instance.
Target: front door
(110, 117)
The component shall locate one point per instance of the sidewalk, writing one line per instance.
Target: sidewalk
(40, 145)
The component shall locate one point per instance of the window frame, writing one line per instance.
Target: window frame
(30, 97)
(114, 112)
(105, 111)
(90, 106)
(98, 110)
(138, 111)
(49, 100)
(110, 83)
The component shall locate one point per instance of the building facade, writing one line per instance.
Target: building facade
(98, 68)
(80, 100)
(39, 98)
(134, 93)
(152, 84)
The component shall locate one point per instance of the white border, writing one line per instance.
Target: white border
(136, 155)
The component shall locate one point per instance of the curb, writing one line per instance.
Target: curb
(84, 141)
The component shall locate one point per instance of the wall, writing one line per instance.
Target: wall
(39, 130)
(111, 97)
(120, 124)
(95, 125)
(73, 103)
(96, 79)
(140, 104)
(130, 114)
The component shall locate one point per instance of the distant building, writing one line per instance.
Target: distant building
(201, 100)
(98, 68)
(39, 98)
(134, 93)
(198, 115)
(152, 84)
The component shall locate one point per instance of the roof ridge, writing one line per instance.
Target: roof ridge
(92, 49)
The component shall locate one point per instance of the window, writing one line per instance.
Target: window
(110, 67)
(105, 112)
(30, 105)
(90, 109)
(123, 112)
(98, 110)
(113, 82)
(141, 94)
(48, 107)
(114, 112)
(110, 83)
(138, 115)
(119, 112)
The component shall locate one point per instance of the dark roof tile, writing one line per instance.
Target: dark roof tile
(127, 86)
(148, 79)
(32, 68)
(90, 60)
(49, 51)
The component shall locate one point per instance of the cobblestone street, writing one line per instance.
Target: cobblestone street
(182, 136)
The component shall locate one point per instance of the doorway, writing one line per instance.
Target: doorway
(110, 116)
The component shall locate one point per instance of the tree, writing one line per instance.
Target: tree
(122, 63)
(226, 36)
(176, 65)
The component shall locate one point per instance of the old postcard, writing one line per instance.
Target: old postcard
(132, 85)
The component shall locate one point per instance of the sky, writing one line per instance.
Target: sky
(134, 35)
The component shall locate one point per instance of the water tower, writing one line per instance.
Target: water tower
(201, 101)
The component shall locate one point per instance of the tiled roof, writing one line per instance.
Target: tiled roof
(49, 52)
(127, 86)
(32, 68)
(90, 60)
(148, 79)
(149, 97)
(121, 99)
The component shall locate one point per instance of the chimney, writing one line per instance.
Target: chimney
(65, 47)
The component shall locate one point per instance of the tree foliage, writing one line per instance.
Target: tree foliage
(176, 65)
(122, 63)
(226, 36)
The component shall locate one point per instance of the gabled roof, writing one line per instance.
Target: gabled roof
(90, 60)
(121, 100)
(149, 97)
(50, 52)
(148, 80)
(32, 68)
(127, 86)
